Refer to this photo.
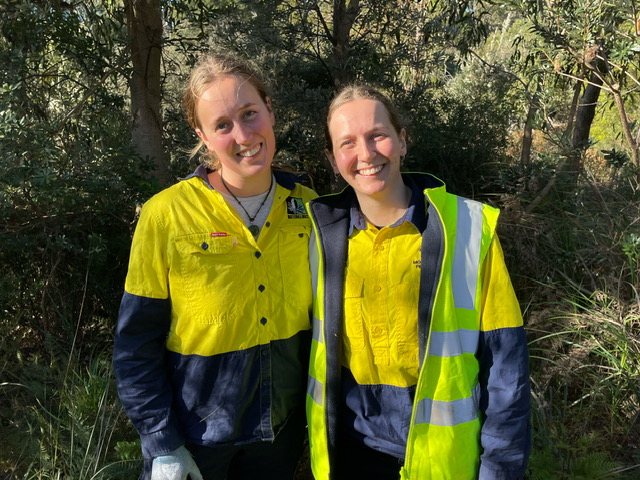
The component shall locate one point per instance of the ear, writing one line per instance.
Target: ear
(332, 160)
(403, 142)
(202, 137)
(267, 101)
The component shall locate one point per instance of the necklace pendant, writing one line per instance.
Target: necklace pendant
(254, 229)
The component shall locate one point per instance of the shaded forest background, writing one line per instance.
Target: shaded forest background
(530, 105)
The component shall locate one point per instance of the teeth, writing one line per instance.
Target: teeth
(250, 153)
(371, 171)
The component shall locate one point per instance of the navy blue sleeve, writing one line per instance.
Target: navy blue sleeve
(142, 373)
(504, 403)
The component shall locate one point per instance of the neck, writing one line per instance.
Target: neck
(385, 209)
(241, 186)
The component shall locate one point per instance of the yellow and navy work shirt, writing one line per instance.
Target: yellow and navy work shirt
(380, 345)
(212, 339)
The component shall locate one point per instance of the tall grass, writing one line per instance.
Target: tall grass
(586, 389)
(61, 418)
(575, 261)
(65, 422)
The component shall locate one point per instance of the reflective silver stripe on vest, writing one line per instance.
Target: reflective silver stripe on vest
(314, 388)
(316, 329)
(448, 414)
(452, 344)
(466, 254)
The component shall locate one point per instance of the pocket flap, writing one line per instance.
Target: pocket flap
(353, 287)
(204, 244)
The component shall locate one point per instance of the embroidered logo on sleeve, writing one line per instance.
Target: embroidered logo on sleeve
(295, 208)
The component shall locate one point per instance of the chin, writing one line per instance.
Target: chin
(369, 190)
(259, 167)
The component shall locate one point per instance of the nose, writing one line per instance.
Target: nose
(242, 133)
(367, 151)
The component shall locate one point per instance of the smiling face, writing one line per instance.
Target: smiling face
(366, 148)
(236, 124)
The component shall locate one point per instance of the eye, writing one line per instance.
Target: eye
(379, 136)
(347, 144)
(222, 126)
(250, 114)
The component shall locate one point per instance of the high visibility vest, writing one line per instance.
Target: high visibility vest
(443, 441)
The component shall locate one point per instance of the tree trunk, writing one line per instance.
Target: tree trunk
(585, 114)
(572, 111)
(343, 18)
(144, 22)
(527, 134)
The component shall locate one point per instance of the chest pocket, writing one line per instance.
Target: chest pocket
(353, 318)
(207, 268)
(293, 248)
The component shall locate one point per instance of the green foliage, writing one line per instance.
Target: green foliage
(73, 419)
(545, 464)
(128, 450)
(586, 377)
(576, 234)
(631, 249)
(615, 158)
(69, 185)
(587, 41)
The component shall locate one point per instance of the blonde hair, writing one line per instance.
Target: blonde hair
(361, 92)
(208, 70)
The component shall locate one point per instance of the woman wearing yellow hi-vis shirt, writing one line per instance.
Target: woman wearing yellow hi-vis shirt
(213, 334)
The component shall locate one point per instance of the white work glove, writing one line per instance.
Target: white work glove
(176, 465)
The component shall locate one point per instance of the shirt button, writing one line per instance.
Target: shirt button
(301, 235)
(204, 245)
(376, 330)
(258, 254)
(265, 352)
(261, 288)
(267, 224)
(377, 288)
(263, 321)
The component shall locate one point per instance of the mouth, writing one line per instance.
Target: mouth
(368, 172)
(252, 152)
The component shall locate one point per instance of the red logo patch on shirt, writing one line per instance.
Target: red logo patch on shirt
(219, 234)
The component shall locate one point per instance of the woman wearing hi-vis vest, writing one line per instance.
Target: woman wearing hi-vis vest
(419, 363)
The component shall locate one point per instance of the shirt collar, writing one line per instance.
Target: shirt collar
(200, 172)
(414, 214)
(286, 179)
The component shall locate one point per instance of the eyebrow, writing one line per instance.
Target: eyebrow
(242, 107)
(377, 127)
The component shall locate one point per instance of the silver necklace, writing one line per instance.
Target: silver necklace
(253, 229)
